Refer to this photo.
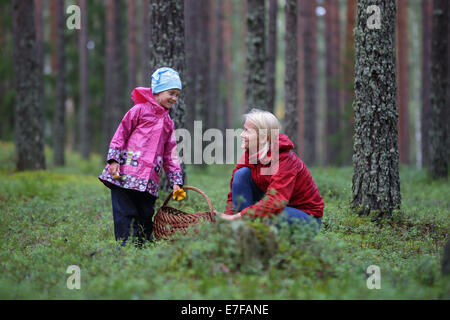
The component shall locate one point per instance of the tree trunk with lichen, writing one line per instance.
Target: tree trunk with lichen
(256, 88)
(376, 183)
(439, 153)
(291, 77)
(29, 135)
(167, 50)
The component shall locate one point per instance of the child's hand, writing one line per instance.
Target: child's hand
(176, 187)
(114, 168)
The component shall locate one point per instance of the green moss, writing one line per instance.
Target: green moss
(62, 216)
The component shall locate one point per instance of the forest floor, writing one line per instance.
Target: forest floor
(62, 216)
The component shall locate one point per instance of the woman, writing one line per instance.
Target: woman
(270, 177)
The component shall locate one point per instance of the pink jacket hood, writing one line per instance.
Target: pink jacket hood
(142, 95)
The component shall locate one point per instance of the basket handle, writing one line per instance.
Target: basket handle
(169, 196)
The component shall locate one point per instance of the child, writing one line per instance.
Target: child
(143, 142)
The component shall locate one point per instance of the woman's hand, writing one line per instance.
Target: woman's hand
(228, 217)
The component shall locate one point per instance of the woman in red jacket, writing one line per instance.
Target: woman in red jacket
(270, 177)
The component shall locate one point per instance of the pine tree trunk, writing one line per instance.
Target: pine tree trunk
(300, 84)
(244, 36)
(29, 137)
(427, 12)
(132, 46)
(272, 54)
(219, 67)
(227, 44)
(114, 84)
(348, 76)
(376, 183)
(402, 80)
(332, 35)
(309, 27)
(191, 24)
(439, 153)
(145, 44)
(290, 80)
(85, 132)
(59, 124)
(203, 85)
(211, 121)
(415, 76)
(256, 87)
(39, 25)
(167, 22)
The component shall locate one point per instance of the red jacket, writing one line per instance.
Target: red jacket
(292, 185)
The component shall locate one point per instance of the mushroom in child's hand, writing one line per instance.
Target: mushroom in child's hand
(179, 195)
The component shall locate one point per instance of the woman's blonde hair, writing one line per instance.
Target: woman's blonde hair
(265, 121)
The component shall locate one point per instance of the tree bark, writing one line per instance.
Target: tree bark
(415, 76)
(332, 36)
(39, 25)
(191, 24)
(402, 80)
(427, 12)
(227, 44)
(348, 76)
(85, 132)
(439, 153)
(272, 54)
(300, 84)
(114, 84)
(219, 67)
(376, 183)
(309, 26)
(256, 88)
(29, 137)
(290, 79)
(243, 37)
(167, 22)
(132, 46)
(203, 85)
(211, 121)
(145, 44)
(59, 118)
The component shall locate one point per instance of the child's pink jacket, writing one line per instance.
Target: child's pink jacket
(143, 143)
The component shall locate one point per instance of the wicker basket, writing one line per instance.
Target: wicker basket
(168, 220)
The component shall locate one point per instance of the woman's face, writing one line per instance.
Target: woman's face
(249, 136)
(167, 98)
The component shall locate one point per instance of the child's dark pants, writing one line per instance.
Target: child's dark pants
(132, 212)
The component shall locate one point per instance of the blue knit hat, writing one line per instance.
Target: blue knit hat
(164, 79)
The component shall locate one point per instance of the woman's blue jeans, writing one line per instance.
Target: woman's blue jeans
(245, 193)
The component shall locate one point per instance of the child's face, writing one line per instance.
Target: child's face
(167, 98)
